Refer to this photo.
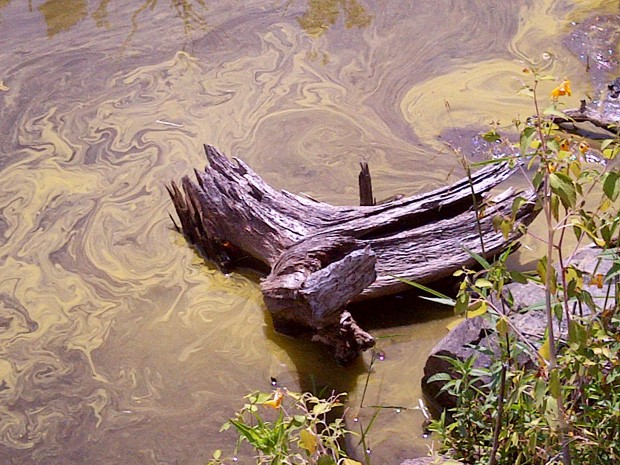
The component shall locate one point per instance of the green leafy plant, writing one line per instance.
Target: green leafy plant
(562, 407)
(529, 432)
(286, 427)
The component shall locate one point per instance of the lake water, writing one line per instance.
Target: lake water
(118, 344)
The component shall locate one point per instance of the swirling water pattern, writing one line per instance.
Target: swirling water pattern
(118, 345)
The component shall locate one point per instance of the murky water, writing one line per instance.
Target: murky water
(118, 345)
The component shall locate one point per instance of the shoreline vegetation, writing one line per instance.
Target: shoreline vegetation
(555, 399)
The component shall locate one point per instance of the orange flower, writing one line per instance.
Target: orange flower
(564, 144)
(598, 280)
(583, 147)
(562, 89)
(276, 401)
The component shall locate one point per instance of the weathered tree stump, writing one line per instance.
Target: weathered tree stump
(322, 256)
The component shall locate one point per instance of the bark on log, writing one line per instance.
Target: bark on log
(323, 256)
(604, 126)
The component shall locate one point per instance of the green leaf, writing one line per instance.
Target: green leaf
(527, 91)
(308, 440)
(611, 152)
(482, 283)
(575, 168)
(564, 188)
(611, 185)
(325, 460)
(540, 391)
(606, 143)
(479, 372)
(542, 269)
(613, 271)
(479, 258)
(217, 454)
(544, 351)
(588, 300)
(497, 221)
(491, 136)
(425, 289)
(557, 311)
(517, 203)
(439, 300)
(348, 461)
(477, 309)
(555, 207)
(576, 333)
(439, 377)
(538, 178)
(606, 234)
(321, 408)
(502, 326)
(555, 387)
(462, 303)
(574, 281)
(261, 397)
(248, 432)
(525, 141)
(553, 145)
(506, 228)
(518, 277)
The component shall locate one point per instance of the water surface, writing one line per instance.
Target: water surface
(118, 345)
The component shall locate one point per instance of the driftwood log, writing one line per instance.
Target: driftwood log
(323, 257)
(590, 123)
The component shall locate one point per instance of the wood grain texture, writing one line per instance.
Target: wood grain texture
(322, 256)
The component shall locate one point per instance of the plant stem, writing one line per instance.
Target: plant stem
(563, 278)
(547, 208)
(372, 362)
(477, 211)
(500, 414)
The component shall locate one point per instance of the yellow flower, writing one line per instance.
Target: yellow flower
(583, 147)
(562, 89)
(276, 401)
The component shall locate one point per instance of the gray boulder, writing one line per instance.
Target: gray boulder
(527, 318)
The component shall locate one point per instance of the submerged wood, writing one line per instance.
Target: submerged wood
(322, 256)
